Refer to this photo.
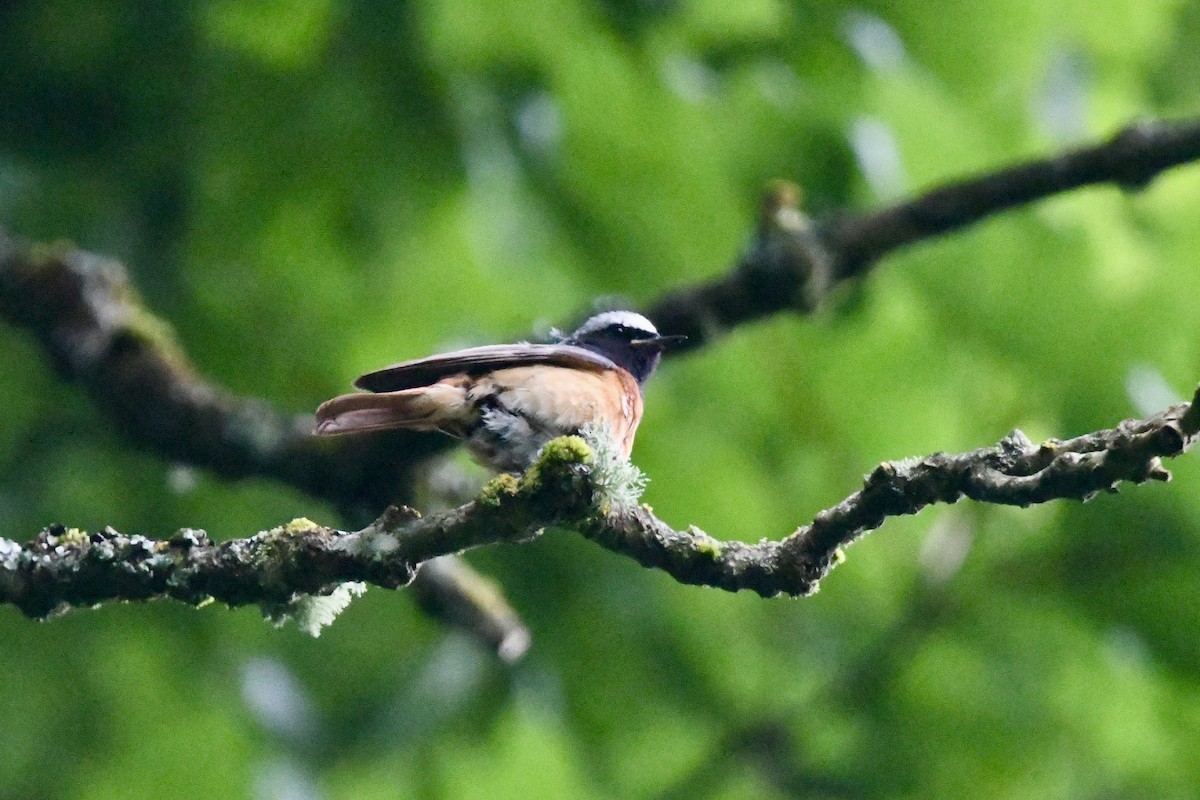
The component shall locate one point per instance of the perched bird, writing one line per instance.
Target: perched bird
(507, 401)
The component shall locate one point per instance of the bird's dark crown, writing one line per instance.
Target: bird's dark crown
(627, 339)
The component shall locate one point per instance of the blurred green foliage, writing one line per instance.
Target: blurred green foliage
(308, 190)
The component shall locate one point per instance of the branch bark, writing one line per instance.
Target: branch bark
(278, 569)
(792, 262)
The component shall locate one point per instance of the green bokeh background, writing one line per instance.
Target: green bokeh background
(310, 189)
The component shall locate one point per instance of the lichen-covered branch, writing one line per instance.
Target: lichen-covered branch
(1013, 472)
(278, 569)
(792, 261)
(87, 316)
(571, 487)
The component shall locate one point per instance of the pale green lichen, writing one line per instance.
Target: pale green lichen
(705, 544)
(499, 487)
(556, 454)
(570, 449)
(43, 255)
(300, 525)
(155, 333)
(73, 536)
(314, 612)
(617, 481)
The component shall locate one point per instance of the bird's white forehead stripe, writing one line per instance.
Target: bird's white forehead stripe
(626, 318)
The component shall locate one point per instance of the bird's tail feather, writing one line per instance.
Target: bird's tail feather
(427, 408)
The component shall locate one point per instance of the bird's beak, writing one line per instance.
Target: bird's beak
(660, 342)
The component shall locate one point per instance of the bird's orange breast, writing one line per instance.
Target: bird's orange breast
(562, 400)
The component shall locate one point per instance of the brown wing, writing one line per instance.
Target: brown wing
(477, 360)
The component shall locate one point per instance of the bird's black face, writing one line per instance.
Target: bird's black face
(629, 340)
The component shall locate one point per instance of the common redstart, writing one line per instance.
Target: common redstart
(507, 401)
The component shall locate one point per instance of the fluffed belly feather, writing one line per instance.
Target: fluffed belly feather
(522, 408)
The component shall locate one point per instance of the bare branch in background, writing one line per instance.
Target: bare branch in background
(83, 310)
(792, 261)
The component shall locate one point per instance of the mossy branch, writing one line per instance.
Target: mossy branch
(65, 567)
(283, 568)
(86, 314)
